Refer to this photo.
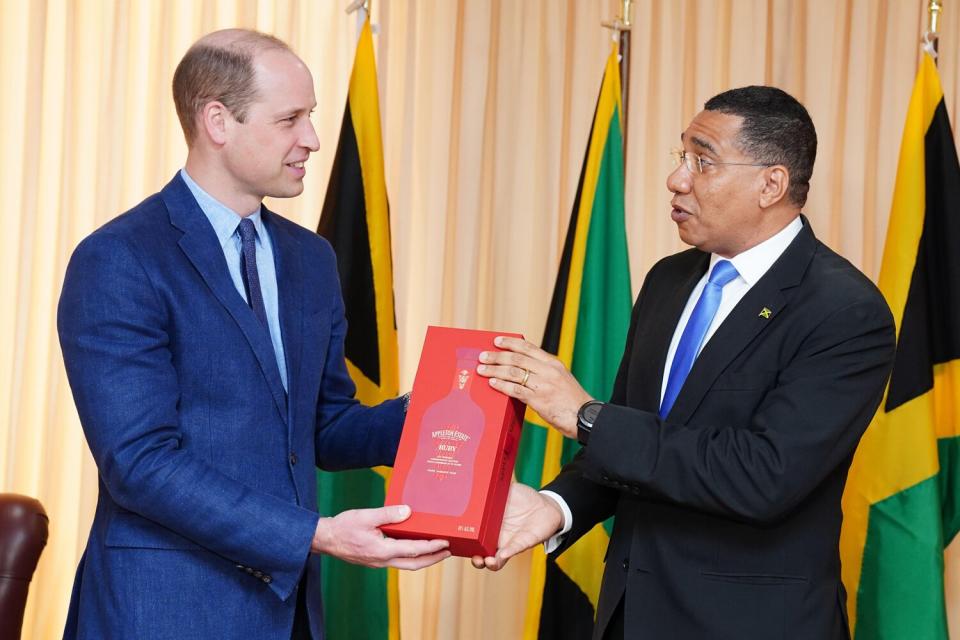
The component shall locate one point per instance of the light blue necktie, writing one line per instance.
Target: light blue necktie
(693, 334)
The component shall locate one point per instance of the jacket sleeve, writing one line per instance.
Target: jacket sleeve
(759, 468)
(113, 331)
(350, 435)
(591, 502)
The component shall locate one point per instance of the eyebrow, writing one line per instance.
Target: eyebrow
(295, 111)
(700, 142)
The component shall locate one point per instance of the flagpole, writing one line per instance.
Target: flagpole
(622, 25)
(931, 38)
(362, 9)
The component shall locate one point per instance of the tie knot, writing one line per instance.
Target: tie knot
(247, 231)
(723, 272)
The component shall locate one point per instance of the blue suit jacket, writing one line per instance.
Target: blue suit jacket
(207, 503)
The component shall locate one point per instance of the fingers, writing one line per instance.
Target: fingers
(506, 552)
(420, 562)
(512, 373)
(396, 549)
(407, 554)
(509, 373)
(381, 515)
(512, 389)
(497, 562)
(508, 363)
(492, 563)
(516, 352)
(519, 345)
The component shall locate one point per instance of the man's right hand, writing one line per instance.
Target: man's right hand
(354, 536)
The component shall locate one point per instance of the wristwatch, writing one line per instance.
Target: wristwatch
(586, 417)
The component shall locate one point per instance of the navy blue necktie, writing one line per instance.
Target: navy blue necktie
(693, 334)
(248, 268)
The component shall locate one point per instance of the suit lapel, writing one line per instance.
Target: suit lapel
(654, 346)
(199, 243)
(287, 258)
(755, 311)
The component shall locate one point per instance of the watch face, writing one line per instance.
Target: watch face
(591, 411)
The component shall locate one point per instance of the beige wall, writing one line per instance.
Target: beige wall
(486, 107)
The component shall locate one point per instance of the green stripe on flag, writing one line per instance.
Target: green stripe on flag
(586, 328)
(900, 506)
(911, 557)
(360, 601)
(604, 314)
(350, 585)
(949, 453)
(533, 441)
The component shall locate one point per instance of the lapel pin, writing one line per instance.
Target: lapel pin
(765, 313)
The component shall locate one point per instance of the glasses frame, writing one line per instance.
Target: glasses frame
(680, 158)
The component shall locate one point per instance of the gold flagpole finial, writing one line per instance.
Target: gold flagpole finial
(623, 22)
(930, 37)
(933, 13)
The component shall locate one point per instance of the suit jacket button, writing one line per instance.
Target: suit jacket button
(626, 564)
(293, 458)
(267, 579)
(249, 570)
(258, 574)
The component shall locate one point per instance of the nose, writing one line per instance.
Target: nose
(309, 138)
(680, 180)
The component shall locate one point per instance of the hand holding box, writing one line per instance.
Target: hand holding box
(458, 447)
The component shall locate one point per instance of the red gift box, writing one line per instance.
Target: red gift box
(458, 446)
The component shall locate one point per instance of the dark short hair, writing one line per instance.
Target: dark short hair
(219, 67)
(776, 129)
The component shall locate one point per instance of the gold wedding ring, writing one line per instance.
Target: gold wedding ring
(526, 376)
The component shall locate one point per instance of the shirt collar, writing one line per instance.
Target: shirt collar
(223, 219)
(755, 261)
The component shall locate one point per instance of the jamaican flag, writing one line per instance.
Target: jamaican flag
(901, 506)
(356, 221)
(586, 328)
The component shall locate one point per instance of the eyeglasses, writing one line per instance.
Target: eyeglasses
(695, 162)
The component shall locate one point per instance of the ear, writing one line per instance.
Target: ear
(214, 120)
(776, 184)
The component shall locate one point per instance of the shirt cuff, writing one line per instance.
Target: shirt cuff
(554, 541)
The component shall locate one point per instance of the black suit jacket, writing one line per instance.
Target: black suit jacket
(728, 511)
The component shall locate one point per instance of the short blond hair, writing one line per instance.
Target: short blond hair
(219, 67)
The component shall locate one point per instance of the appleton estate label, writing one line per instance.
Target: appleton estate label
(458, 447)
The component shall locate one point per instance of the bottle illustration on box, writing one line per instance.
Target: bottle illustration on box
(441, 477)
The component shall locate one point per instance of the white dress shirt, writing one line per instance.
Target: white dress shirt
(752, 264)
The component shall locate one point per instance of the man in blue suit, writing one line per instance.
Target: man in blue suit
(203, 340)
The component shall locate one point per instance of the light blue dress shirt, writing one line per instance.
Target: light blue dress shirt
(225, 222)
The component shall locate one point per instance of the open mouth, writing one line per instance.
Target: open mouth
(679, 214)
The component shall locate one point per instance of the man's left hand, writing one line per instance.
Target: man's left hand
(529, 519)
(530, 374)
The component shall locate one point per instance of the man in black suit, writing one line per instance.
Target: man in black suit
(753, 364)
